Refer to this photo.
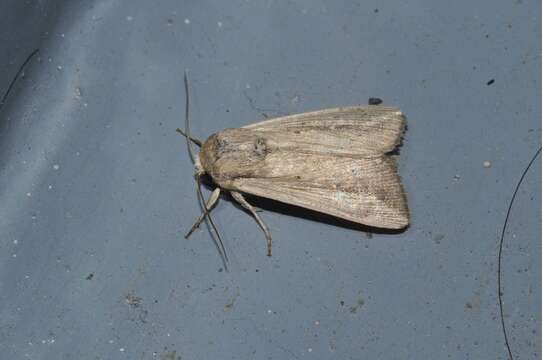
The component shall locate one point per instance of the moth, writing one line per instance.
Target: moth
(335, 161)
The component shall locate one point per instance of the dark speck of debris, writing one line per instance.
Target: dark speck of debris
(375, 10)
(90, 276)
(369, 235)
(375, 101)
(468, 305)
(133, 300)
(229, 305)
(170, 21)
(220, 270)
(490, 82)
(438, 238)
(342, 303)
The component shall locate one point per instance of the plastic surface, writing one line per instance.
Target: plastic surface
(96, 188)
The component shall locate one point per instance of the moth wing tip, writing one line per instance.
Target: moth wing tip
(401, 220)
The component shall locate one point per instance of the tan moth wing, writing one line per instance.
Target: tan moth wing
(364, 190)
(355, 130)
(332, 161)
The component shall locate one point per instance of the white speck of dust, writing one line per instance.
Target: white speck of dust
(111, 341)
(187, 21)
(59, 67)
(15, 241)
(121, 349)
(62, 35)
(309, 349)
(14, 255)
(219, 24)
(269, 311)
(29, 194)
(317, 323)
(129, 18)
(50, 187)
(56, 166)
(487, 164)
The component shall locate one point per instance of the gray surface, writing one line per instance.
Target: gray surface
(94, 180)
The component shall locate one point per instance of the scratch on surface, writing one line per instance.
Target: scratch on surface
(19, 73)
(499, 258)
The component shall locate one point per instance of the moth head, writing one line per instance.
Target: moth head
(208, 155)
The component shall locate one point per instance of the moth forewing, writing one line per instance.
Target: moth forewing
(354, 130)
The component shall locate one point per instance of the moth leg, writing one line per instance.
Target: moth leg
(241, 200)
(210, 203)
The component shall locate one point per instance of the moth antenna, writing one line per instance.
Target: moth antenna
(209, 221)
(189, 139)
(196, 141)
(187, 119)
